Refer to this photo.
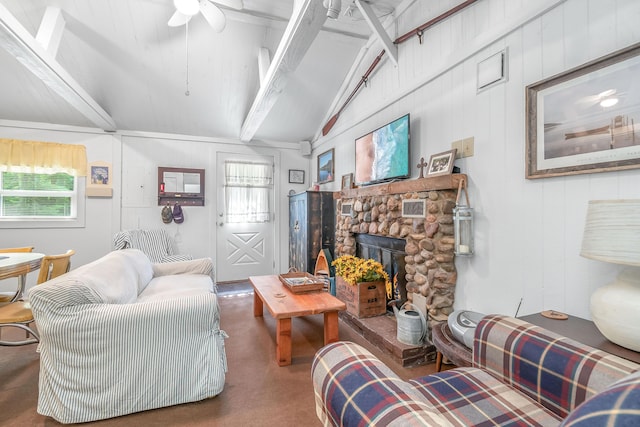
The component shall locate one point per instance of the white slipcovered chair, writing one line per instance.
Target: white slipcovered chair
(156, 244)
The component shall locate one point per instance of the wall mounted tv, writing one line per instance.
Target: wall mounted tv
(383, 155)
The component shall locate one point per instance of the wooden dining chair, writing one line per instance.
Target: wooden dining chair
(22, 249)
(18, 314)
(4, 296)
(53, 266)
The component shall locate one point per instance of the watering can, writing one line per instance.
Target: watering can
(412, 325)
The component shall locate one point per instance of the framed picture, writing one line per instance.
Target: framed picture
(414, 208)
(100, 180)
(585, 120)
(325, 167)
(296, 176)
(441, 163)
(347, 181)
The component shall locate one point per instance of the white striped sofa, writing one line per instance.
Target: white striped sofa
(156, 244)
(122, 335)
(522, 375)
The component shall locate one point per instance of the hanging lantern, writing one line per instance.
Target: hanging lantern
(463, 224)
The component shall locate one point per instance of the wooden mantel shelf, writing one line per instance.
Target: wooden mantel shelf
(442, 182)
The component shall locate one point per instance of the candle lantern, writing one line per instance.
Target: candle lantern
(463, 224)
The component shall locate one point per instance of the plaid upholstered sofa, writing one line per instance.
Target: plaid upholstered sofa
(121, 335)
(522, 375)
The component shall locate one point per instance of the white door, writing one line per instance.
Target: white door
(245, 218)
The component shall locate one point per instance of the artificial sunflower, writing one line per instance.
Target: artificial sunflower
(355, 270)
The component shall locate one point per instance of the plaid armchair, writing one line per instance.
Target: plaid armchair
(156, 244)
(522, 375)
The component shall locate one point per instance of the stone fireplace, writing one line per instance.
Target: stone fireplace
(428, 253)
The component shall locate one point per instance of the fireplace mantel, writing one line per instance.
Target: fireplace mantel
(442, 182)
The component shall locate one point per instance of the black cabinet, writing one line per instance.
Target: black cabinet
(311, 227)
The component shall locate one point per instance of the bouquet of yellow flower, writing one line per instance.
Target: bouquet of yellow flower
(355, 270)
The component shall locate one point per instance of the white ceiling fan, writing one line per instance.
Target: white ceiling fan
(607, 98)
(186, 9)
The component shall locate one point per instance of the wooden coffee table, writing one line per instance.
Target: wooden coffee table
(285, 305)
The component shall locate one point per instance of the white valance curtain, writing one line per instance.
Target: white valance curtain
(247, 191)
(42, 157)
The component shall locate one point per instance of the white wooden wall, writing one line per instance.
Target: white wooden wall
(528, 232)
(135, 157)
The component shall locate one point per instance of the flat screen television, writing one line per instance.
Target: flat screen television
(383, 155)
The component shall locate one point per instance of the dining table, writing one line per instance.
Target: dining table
(18, 264)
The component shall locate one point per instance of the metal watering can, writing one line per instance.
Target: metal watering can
(412, 325)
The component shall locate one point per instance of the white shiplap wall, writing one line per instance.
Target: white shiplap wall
(135, 157)
(528, 232)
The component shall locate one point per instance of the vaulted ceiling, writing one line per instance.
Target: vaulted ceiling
(131, 71)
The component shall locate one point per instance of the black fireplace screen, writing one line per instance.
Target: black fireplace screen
(390, 253)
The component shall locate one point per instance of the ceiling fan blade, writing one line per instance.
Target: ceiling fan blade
(178, 19)
(213, 15)
(234, 4)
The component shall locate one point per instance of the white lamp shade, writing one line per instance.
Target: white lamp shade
(612, 231)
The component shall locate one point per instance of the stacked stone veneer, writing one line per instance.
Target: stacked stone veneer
(430, 268)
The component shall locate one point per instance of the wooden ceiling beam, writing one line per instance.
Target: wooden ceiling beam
(305, 24)
(16, 40)
(378, 30)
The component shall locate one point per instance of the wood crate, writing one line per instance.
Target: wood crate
(365, 299)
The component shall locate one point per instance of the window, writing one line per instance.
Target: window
(42, 184)
(38, 196)
(248, 190)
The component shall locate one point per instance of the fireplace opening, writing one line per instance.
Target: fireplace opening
(390, 252)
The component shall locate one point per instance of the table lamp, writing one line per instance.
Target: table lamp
(612, 234)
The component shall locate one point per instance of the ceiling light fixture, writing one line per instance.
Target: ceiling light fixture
(187, 7)
(333, 8)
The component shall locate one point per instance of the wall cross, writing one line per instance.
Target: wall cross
(422, 165)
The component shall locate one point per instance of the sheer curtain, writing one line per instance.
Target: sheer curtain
(247, 191)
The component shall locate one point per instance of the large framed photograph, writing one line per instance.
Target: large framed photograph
(585, 120)
(325, 167)
(441, 163)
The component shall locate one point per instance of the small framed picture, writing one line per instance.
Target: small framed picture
(296, 176)
(325, 167)
(347, 181)
(99, 181)
(441, 163)
(414, 208)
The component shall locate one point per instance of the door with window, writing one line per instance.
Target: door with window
(245, 218)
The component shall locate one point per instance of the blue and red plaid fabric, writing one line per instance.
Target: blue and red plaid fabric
(617, 406)
(554, 370)
(353, 388)
(523, 375)
(472, 397)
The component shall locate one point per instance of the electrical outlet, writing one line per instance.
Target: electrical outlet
(467, 147)
(464, 147)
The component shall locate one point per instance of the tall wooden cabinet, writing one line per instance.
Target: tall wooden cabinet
(311, 227)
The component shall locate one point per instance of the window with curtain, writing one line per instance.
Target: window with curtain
(248, 191)
(39, 180)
